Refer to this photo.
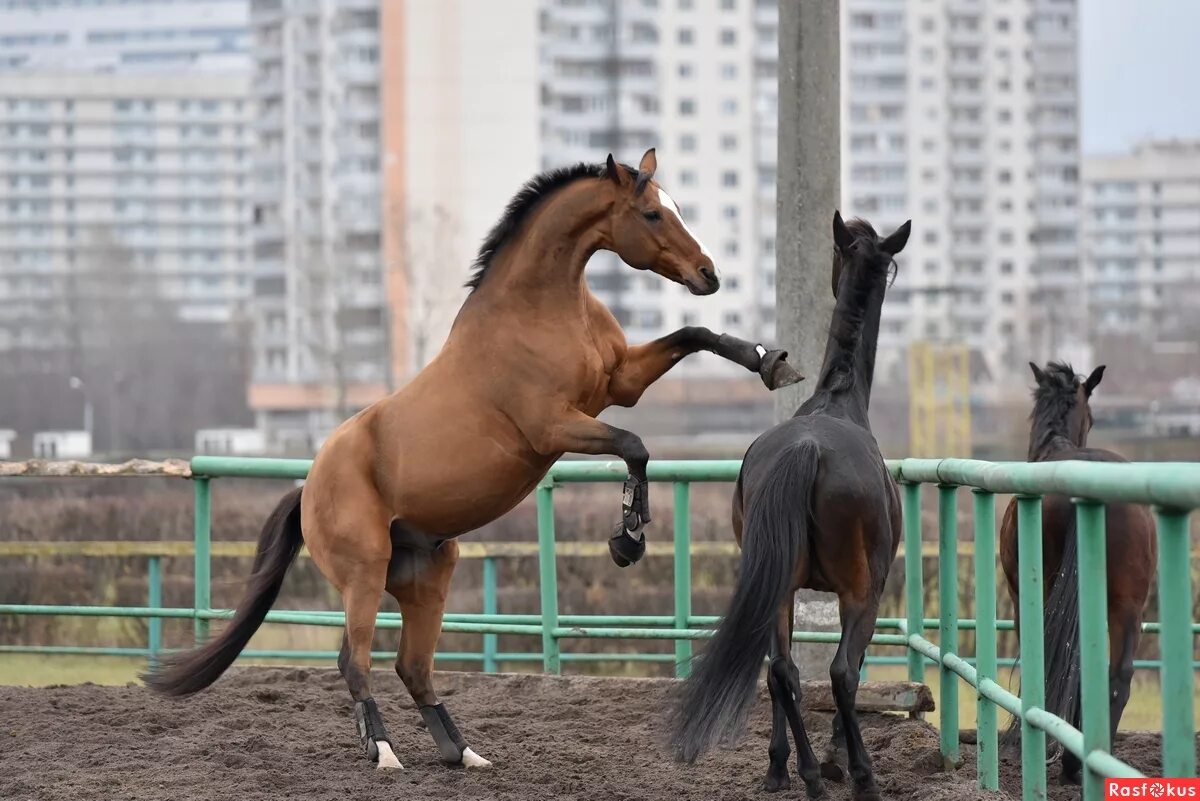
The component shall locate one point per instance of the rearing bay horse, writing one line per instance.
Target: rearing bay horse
(532, 358)
(814, 507)
(1061, 420)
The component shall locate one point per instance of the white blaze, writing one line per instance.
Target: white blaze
(669, 204)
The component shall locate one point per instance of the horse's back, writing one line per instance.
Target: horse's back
(854, 503)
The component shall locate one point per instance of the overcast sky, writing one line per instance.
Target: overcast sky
(1140, 71)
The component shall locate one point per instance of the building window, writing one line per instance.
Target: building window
(729, 178)
(729, 106)
(728, 36)
(687, 178)
(687, 143)
(686, 71)
(687, 107)
(731, 247)
(728, 142)
(686, 36)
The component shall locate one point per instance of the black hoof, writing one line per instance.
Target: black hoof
(776, 780)
(776, 372)
(814, 788)
(831, 769)
(625, 550)
(1069, 777)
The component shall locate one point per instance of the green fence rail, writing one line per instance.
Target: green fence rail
(1174, 490)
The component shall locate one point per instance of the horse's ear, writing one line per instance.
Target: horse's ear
(646, 169)
(614, 170)
(1093, 380)
(841, 234)
(1038, 375)
(899, 238)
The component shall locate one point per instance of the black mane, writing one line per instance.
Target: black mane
(523, 202)
(846, 327)
(1053, 400)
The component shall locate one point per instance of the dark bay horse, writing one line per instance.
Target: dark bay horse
(1061, 421)
(814, 507)
(531, 359)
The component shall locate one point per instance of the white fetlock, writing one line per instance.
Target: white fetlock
(387, 758)
(470, 759)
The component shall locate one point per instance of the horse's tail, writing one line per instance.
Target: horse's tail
(1061, 615)
(278, 544)
(714, 702)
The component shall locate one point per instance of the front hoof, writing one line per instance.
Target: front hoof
(814, 788)
(776, 780)
(624, 549)
(386, 758)
(776, 372)
(470, 759)
(869, 792)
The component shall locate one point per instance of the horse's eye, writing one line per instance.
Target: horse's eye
(652, 215)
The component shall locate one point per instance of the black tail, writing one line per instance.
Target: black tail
(715, 700)
(278, 544)
(1061, 614)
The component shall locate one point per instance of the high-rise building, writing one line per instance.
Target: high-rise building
(99, 153)
(960, 115)
(964, 116)
(696, 79)
(390, 135)
(130, 35)
(1141, 224)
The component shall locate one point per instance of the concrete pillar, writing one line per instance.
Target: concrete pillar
(808, 190)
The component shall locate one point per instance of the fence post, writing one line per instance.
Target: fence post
(1033, 658)
(948, 618)
(1175, 612)
(987, 745)
(914, 599)
(154, 600)
(1093, 638)
(490, 607)
(548, 573)
(683, 576)
(202, 597)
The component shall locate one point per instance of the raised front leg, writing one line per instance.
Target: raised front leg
(575, 432)
(645, 364)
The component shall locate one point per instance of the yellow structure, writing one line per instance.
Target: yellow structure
(939, 401)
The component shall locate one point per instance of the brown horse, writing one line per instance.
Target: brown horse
(1061, 421)
(530, 361)
(814, 507)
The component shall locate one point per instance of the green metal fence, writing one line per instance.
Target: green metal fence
(1174, 490)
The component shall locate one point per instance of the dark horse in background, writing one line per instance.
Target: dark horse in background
(1061, 422)
(814, 507)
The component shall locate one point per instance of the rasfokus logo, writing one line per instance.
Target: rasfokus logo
(1152, 788)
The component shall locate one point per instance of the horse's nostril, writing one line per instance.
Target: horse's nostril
(709, 274)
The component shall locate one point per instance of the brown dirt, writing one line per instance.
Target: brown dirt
(273, 733)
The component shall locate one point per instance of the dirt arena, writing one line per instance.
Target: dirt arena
(283, 733)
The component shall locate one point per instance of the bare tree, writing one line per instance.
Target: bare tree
(433, 269)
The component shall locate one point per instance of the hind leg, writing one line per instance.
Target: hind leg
(858, 621)
(361, 597)
(783, 680)
(835, 763)
(420, 584)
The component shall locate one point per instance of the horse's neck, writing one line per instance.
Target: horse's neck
(543, 262)
(847, 373)
(1050, 441)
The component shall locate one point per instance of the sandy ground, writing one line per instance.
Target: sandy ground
(276, 733)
